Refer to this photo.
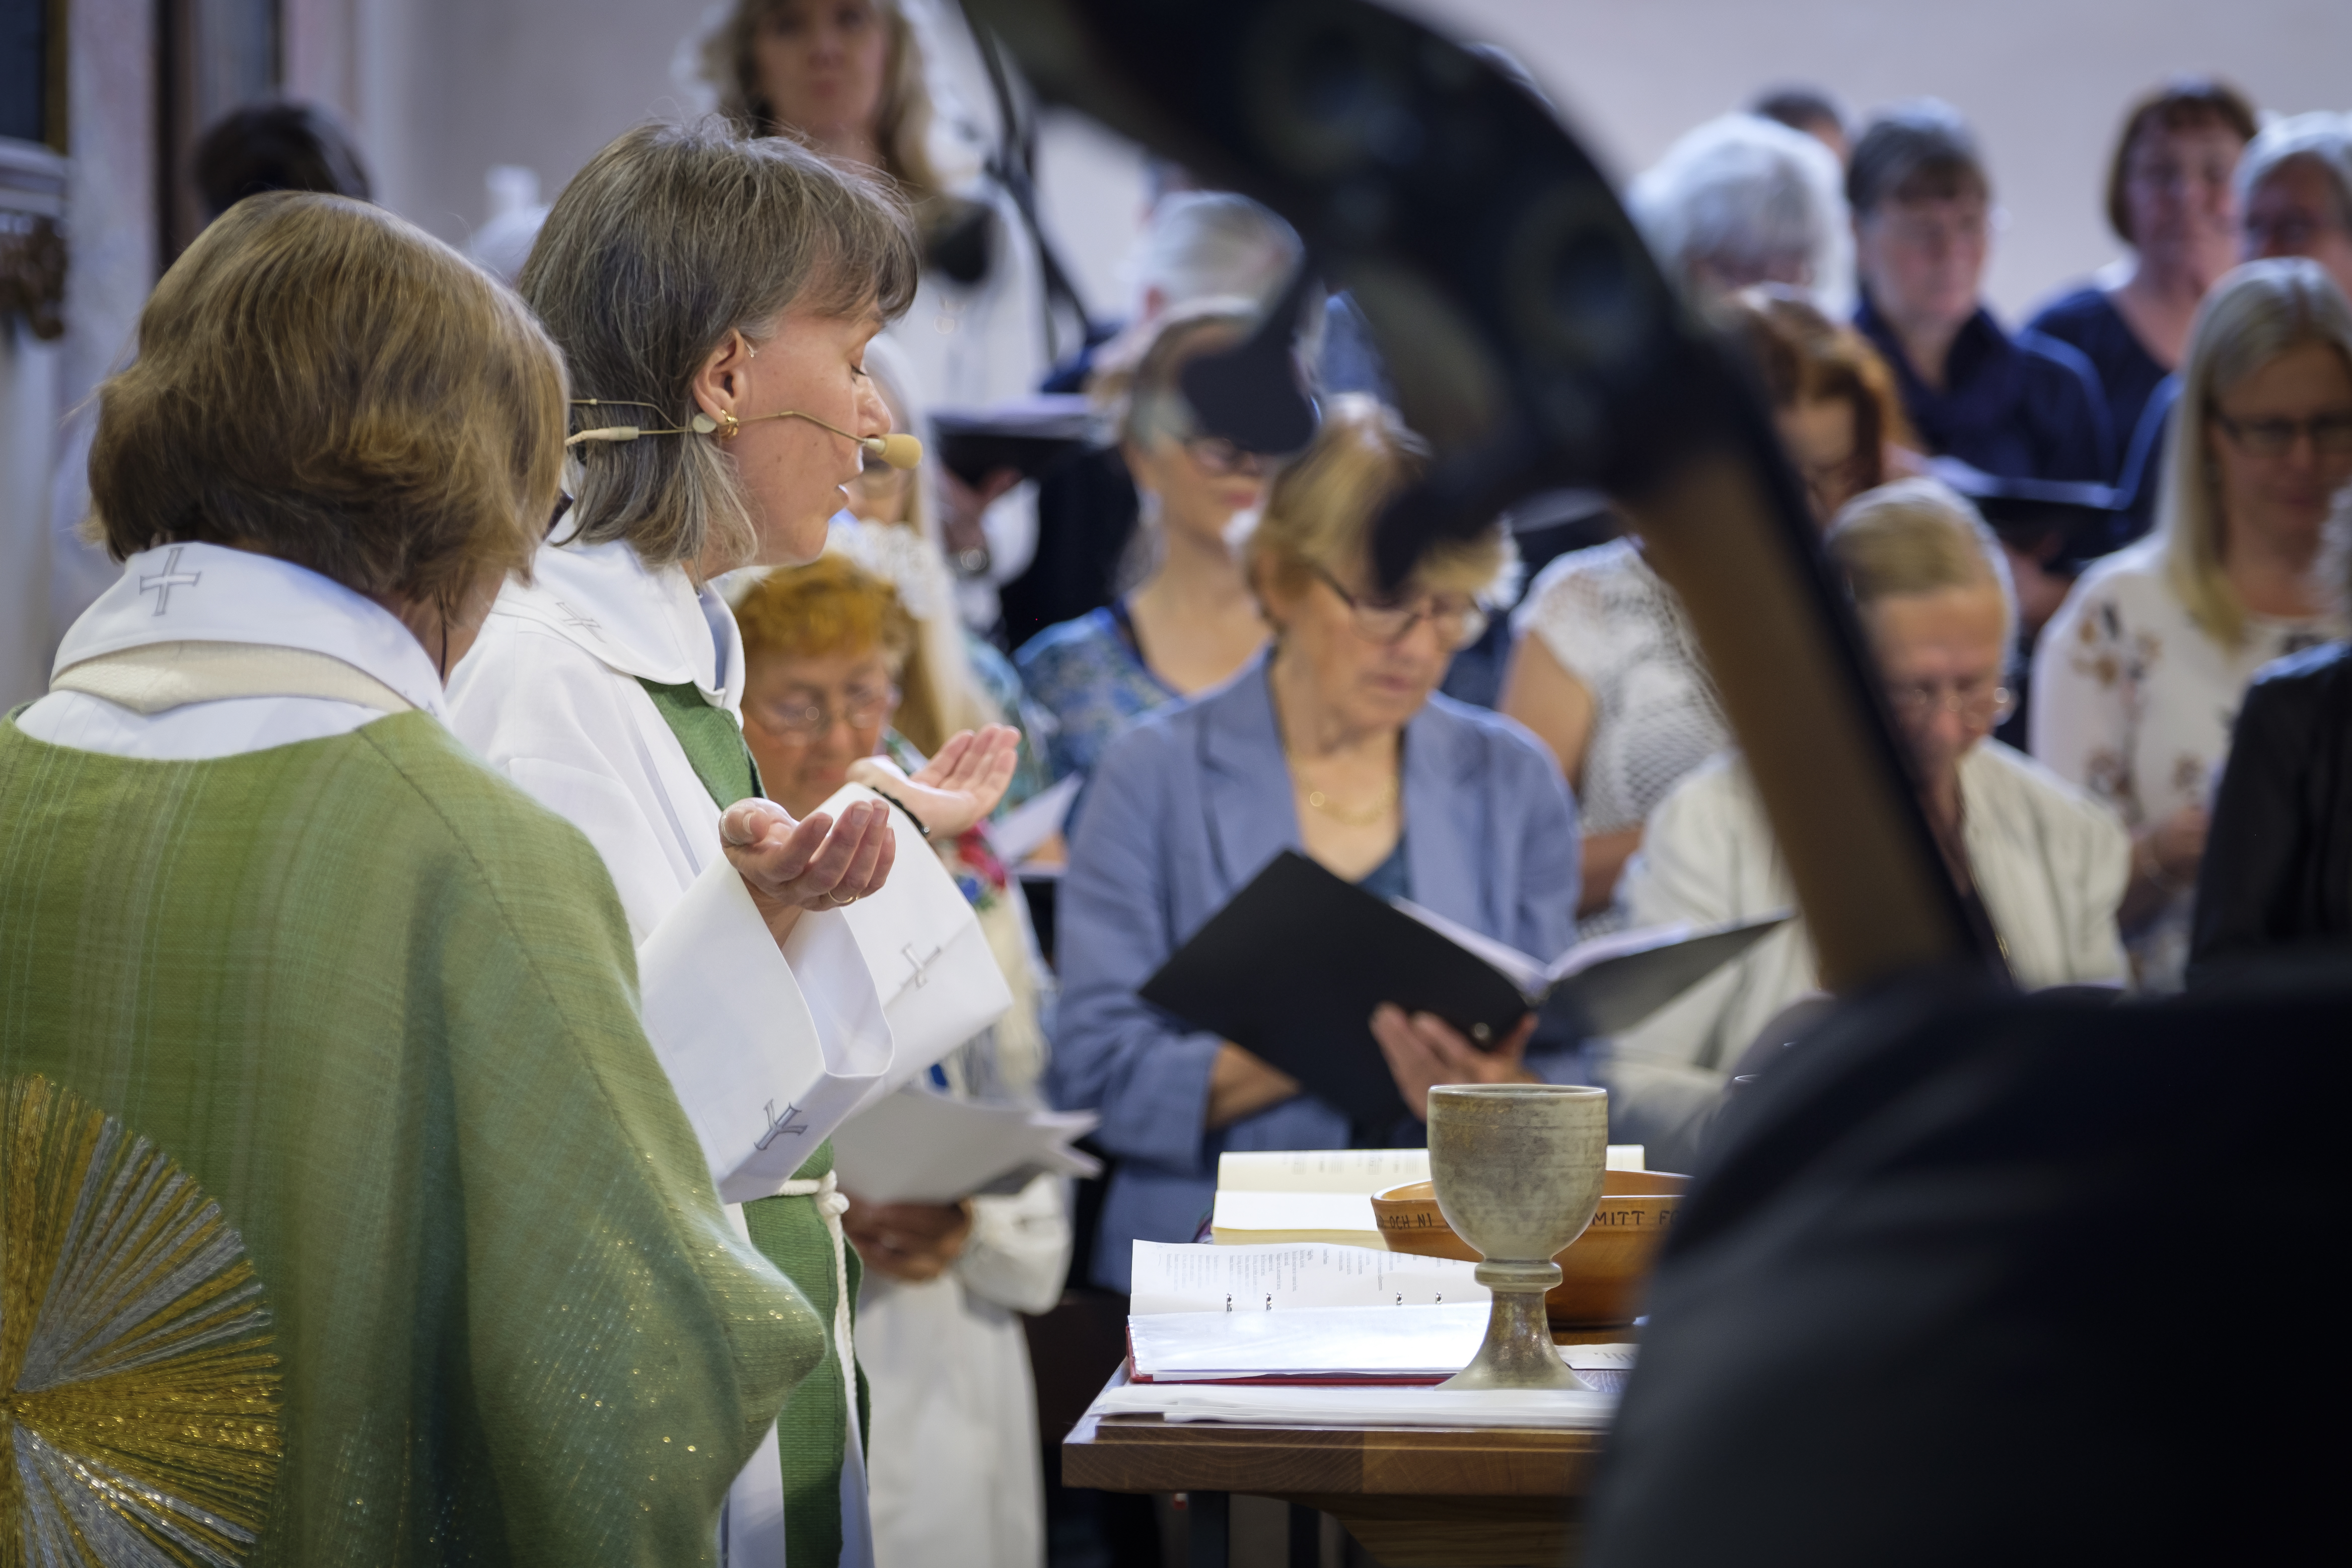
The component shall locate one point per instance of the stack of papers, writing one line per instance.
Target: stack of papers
(920, 1147)
(1575, 1409)
(1326, 1344)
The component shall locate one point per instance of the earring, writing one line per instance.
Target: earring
(729, 427)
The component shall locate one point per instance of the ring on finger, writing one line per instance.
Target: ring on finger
(837, 899)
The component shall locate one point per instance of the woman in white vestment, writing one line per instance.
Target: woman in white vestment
(2048, 861)
(713, 298)
(863, 81)
(2142, 669)
(830, 650)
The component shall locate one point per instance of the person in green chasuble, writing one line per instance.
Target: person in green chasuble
(347, 1214)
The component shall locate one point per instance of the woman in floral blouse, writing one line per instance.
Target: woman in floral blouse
(2145, 664)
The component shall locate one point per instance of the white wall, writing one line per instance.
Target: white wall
(453, 86)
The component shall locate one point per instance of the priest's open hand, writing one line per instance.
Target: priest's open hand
(958, 788)
(1424, 1050)
(814, 864)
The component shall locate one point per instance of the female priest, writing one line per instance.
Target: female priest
(330, 1015)
(1331, 743)
(2050, 862)
(713, 298)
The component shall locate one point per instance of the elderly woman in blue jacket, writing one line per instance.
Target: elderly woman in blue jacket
(1332, 743)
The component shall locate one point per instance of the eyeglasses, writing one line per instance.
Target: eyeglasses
(2330, 434)
(799, 723)
(1980, 703)
(1459, 623)
(1219, 458)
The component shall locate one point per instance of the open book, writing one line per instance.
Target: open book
(1310, 1314)
(1293, 967)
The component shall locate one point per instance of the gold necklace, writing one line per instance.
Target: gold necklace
(1367, 817)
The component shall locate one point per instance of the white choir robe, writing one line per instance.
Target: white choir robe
(956, 1473)
(550, 695)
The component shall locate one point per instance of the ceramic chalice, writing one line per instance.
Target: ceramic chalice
(1517, 1169)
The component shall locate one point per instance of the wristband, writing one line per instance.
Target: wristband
(902, 805)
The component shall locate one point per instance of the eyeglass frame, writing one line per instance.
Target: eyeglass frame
(2254, 436)
(885, 703)
(1916, 700)
(1474, 619)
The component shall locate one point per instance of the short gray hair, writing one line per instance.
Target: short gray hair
(1203, 245)
(1749, 198)
(672, 238)
(2321, 136)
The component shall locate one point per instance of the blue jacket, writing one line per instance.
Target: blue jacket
(2025, 406)
(1183, 810)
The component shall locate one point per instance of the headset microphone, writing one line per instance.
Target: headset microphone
(898, 450)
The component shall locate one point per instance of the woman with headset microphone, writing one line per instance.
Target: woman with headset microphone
(713, 297)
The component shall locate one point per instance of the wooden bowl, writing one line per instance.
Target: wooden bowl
(1603, 1271)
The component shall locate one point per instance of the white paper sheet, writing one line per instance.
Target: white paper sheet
(920, 1147)
(1021, 832)
(1325, 1343)
(1373, 1406)
(1291, 1275)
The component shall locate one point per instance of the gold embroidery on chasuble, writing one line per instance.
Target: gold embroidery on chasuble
(139, 1395)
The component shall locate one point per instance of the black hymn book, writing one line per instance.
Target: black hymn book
(1293, 967)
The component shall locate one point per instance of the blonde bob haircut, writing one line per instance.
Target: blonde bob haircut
(1320, 509)
(322, 382)
(2251, 316)
(902, 121)
(671, 238)
(1917, 536)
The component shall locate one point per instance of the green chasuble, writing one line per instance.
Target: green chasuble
(814, 1430)
(381, 1007)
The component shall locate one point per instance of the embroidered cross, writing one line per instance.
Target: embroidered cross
(922, 966)
(778, 1125)
(572, 617)
(171, 577)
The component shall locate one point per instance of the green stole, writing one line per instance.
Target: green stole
(813, 1429)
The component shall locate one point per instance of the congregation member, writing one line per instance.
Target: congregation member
(2277, 873)
(1742, 200)
(1199, 246)
(268, 918)
(829, 652)
(2142, 669)
(1606, 669)
(1191, 620)
(713, 297)
(2294, 190)
(2172, 198)
(2050, 862)
(2022, 406)
(854, 79)
(1809, 109)
(1332, 743)
(277, 147)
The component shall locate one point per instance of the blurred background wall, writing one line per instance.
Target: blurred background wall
(440, 91)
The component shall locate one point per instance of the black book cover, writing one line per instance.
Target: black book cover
(1293, 967)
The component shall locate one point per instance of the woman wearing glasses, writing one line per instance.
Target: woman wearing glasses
(1331, 744)
(2048, 861)
(2144, 667)
(1188, 622)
